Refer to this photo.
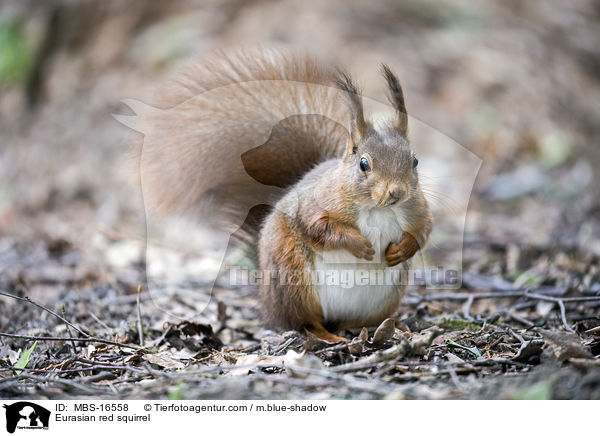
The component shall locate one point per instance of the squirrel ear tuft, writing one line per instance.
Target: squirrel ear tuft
(396, 97)
(352, 148)
(358, 125)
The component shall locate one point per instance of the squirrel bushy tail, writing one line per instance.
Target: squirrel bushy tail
(234, 131)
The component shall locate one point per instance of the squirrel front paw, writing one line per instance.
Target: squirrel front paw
(361, 247)
(401, 251)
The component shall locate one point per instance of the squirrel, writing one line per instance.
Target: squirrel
(327, 190)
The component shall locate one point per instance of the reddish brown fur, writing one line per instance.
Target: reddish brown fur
(293, 303)
(329, 233)
(221, 129)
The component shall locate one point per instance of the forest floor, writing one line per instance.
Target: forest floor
(491, 339)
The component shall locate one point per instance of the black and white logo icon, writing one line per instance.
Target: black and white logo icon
(26, 415)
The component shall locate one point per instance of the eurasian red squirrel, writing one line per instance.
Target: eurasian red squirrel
(343, 198)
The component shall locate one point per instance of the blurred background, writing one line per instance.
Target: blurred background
(517, 83)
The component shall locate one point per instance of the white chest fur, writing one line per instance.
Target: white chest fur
(356, 289)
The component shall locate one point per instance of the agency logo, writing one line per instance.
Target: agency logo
(26, 415)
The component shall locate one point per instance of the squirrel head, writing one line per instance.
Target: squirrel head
(379, 159)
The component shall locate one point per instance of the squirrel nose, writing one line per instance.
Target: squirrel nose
(396, 196)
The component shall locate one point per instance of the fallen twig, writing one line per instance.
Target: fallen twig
(561, 306)
(72, 370)
(467, 309)
(522, 293)
(463, 296)
(62, 338)
(518, 318)
(30, 301)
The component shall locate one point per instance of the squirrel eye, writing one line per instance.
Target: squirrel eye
(415, 161)
(364, 164)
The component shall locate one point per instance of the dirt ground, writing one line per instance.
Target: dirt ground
(516, 83)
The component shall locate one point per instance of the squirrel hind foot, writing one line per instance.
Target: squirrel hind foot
(321, 333)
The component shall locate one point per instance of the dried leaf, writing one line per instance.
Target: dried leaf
(248, 362)
(565, 346)
(13, 356)
(453, 358)
(356, 347)
(301, 360)
(384, 332)
(163, 360)
(364, 334)
(195, 336)
(529, 352)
